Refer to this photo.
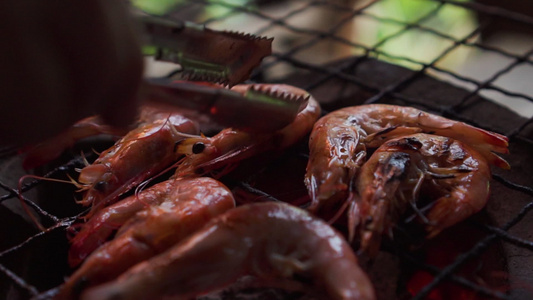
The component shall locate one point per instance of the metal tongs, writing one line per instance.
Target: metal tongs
(226, 58)
(258, 109)
(223, 57)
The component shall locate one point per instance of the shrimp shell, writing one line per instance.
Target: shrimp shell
(273, 241)
(142, 153)
(99, 228)
(451, 175)
(339, 142)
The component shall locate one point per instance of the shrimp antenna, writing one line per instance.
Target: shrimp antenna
(23, 202)
(140, 188)
(143, 184)
(84, 160)
(95, 152)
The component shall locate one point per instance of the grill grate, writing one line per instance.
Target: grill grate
(322, 43)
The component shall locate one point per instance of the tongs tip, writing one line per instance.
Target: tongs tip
(255, 107)
(219, 78)
(293, 100)
(249, 36)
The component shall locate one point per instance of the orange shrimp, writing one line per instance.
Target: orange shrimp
(339, 143)
(185, 207)
(451, 175)
(230, 146)
(101, 226)
(276, 242)
(140, 154)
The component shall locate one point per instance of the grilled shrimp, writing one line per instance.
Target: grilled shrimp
(450, 175)
(100, 227)
(230, 146)
(186, 207)
(339, 142)
(273, 241)
(142, 153)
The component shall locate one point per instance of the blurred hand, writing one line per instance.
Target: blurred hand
(64, 60)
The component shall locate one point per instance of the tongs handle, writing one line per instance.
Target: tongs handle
(252, 111)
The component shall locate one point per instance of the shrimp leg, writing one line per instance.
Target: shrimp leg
(272, 241)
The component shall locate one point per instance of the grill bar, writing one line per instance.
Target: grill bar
(492, 11)
(456, 279)
(475, 251)
(518, 187)
(19, 281)
(321, 35)
(509, 238)
(449, 37)
(494, 77)
(29, 202)
(519, 132)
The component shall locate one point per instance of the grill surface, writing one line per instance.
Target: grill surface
(321, 46)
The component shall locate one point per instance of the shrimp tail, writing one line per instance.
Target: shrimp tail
(497, 161)
(487, 143)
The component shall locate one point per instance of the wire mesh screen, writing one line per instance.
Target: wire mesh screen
(466, 60)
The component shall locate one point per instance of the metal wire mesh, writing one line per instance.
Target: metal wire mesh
(322, 42)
